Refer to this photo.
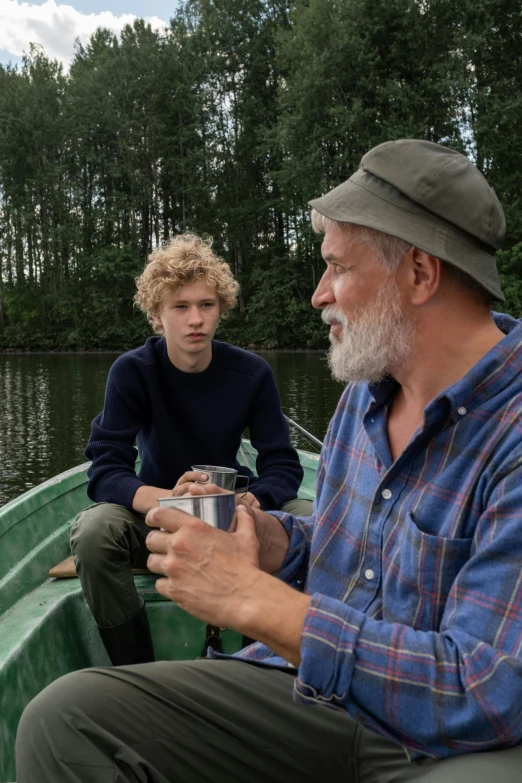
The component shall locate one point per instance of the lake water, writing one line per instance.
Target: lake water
(47, 403)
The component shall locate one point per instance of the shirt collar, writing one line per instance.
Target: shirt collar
(492, 373)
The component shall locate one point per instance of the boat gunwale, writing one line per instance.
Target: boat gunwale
(10, 512)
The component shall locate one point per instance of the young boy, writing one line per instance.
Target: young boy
(181, 399)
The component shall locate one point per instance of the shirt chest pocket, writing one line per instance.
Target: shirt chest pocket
(420, 571)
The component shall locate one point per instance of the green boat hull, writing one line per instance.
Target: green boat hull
(46, 629)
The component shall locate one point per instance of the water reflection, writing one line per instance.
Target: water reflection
(47, 403)
(308, 393)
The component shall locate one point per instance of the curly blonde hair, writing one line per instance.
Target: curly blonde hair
(183, 260)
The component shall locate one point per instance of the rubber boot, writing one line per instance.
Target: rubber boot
(129, 642)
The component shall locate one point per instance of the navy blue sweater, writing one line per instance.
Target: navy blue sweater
(179, 419)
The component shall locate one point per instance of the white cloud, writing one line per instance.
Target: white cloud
(55, 27)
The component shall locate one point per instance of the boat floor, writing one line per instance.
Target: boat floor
(51, 632)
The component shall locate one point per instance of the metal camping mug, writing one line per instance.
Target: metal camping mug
(215, 510)
(221, 477)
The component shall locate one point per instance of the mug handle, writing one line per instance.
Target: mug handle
(244, 491)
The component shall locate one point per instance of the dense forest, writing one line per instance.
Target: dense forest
(227, 123)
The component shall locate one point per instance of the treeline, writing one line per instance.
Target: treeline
(228, 123)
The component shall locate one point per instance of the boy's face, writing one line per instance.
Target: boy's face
(189, 319)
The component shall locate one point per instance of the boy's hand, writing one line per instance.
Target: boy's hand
(187, 480)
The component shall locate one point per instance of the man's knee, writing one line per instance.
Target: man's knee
(97, 529)
(47, 717)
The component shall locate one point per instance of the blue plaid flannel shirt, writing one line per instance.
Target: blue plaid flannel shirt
(415, 566)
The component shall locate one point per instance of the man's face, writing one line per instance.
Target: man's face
(189, 318)
(370, 335)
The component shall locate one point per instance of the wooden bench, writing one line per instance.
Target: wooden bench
(67, 570)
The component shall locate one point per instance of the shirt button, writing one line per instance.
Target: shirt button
(386, 493)
(369, 574)
(462, 410)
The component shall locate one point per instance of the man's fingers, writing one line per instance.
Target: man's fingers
(157, 541)
(156, 564)
(170, 519)
(244, 521)
(246, 534)
(247, 499)
(162, 586)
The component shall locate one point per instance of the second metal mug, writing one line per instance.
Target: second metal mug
(221, 477)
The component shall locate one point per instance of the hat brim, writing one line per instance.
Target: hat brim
(366, 200)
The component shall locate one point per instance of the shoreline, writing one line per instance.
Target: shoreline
(116, 352)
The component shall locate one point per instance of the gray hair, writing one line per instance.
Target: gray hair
(390, 250)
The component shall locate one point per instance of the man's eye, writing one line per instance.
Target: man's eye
(338, 269)
(180, 307)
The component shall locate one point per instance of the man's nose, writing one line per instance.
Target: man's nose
(323, 294)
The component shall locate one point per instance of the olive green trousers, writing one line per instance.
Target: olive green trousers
(108, 541)
(215, 721)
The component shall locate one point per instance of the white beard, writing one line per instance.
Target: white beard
(379, 340)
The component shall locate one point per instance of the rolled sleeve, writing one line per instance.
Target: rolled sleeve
(330, 633)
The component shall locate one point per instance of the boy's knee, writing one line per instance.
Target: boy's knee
(299, 507)
(96, 529)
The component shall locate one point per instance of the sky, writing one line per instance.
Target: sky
(55, 25)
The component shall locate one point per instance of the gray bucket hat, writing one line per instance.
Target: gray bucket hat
(428, 195)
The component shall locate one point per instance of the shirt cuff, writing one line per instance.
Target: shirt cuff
(330, 634)
(292, 570)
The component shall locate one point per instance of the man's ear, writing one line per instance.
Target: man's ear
(425, 275)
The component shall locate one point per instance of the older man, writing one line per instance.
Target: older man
(390, 645)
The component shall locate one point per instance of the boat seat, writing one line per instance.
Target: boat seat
(145, 579)
(66, 569)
